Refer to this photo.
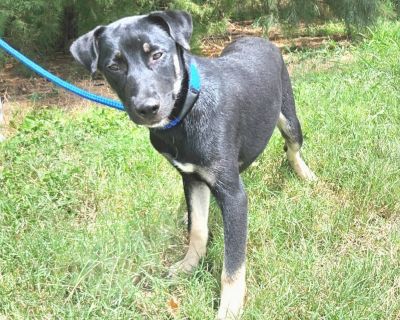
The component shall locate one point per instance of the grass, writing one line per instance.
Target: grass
(91, 215)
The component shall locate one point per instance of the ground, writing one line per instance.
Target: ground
(91, 217)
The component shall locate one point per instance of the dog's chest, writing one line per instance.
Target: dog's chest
(184, 167)
(184, 157)
(180, 151)
(204, 173)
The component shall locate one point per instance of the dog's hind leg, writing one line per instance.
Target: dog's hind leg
(290, 129)
(197, 196)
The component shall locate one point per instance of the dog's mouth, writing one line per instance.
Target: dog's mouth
(159, 124)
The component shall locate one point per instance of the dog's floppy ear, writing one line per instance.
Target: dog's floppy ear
(179, 25)
(85, 50)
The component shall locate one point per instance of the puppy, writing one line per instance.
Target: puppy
(210, 118)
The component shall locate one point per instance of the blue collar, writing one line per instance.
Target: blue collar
(191, 96)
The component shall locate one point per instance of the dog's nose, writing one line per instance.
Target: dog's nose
(147, 107)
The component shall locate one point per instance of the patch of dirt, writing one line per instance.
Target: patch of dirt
(15, 87)
(213, 45)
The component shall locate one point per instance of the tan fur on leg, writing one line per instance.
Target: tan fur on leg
(232, 294)
(293, 152)
(298, 164)
(200, 200)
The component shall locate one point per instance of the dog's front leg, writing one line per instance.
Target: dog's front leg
(232, 199)
(197, 196)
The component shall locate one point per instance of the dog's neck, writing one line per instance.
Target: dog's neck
(189, 91)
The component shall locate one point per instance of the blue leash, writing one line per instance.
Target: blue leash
(193, 92)
(58, 81)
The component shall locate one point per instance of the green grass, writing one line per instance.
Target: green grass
(91, 215)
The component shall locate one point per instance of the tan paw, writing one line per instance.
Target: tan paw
(184, 266)
(306, 174)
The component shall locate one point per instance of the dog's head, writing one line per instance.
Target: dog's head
(140, 58)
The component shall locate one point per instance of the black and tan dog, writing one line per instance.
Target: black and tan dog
(210, 118)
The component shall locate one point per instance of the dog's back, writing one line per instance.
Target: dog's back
(249, 75)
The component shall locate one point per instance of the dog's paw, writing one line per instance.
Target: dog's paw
(308, 175)
(230, 313)
(299, 166)
(232, 295)
(183, 266)
(302, 170)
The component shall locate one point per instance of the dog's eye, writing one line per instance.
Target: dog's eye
(113, 67)
(157, 55)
